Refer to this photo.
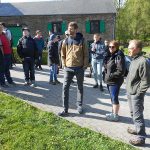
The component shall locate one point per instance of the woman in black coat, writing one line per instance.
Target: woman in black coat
(114, 69)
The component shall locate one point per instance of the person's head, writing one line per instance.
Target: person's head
(26, 31)
(72, 28)
(96, 37)
(106, 43)
(38, 33)
(58, 37)
(135, 47)
(53, 38)
(113, 46)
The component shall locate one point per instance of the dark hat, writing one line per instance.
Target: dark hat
(52, 37)
(26, 28)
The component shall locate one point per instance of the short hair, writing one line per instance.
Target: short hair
(73, 24)
(137, 43)
(115, 43)
(97, 34)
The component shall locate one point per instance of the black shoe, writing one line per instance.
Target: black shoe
(63, 114)
(95, 86)
(131, 131)
(101, 87)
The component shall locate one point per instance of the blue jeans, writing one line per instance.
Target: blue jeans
(97, 70)
(136, 105)
(6, 71)
(28, 67)
(53, 72)
(68, 76)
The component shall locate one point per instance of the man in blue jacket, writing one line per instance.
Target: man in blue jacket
(40, 45)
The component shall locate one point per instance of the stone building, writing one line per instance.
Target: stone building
(92, 16)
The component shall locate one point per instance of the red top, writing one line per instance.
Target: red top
(5, 44)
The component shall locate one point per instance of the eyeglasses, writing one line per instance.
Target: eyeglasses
(112, 47)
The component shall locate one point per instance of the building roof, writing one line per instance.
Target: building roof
(59, 7)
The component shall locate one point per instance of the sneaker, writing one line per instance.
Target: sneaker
(4, 86)
(26, 83)
(131, 131)
(95, 86)
(137, 141)
(50, 82)
(101, 87)
(63, 114)
(33, 84)
(80, 109)
(112, 117)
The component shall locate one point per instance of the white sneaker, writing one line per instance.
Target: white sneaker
(33, 84)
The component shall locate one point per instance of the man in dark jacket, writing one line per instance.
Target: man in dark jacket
(53, 59)
(27, 51)
(138, 81)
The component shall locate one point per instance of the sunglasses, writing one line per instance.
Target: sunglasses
(112, 47)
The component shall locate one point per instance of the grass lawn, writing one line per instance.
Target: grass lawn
(23, 127)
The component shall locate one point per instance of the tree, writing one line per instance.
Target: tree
(133, 20)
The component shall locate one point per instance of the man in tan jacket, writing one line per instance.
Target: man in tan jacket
(74, 57)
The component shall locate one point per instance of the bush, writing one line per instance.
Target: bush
(18, 60)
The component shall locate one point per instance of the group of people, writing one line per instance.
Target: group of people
(74, 58)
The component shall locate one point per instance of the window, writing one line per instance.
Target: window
(95, 26)
(56, 27)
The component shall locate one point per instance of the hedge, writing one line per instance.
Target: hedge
(18, 60)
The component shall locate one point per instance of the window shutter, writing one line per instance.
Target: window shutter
(87, 26)
(64, 26)
(102, 26)
(49, 26)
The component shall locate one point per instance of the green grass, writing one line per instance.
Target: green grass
(23, 127)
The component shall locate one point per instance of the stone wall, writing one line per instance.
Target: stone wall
(40, 22)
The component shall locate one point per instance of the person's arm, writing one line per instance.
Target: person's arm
(19, 48)
(1, 47)
(144, 73)
(8, 34)
(63, 54)
(85, 55)
(120, 67)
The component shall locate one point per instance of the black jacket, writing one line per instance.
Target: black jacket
(53, 52)
(114, 67)
(26, 47)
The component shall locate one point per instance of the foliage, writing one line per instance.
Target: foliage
(23, 127)
(133, 20)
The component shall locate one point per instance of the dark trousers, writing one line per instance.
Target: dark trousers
(68, 76)
(39, 60)
(5, 71)
(28, 67)
(136, 105)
